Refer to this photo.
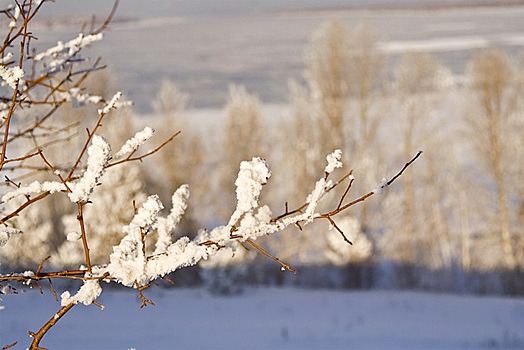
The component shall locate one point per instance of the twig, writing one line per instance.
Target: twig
(404, 168)
(37, 337)
(80, 218)
(266, 253)
(9, 346)
(144, 300)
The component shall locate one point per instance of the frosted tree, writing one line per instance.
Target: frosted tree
(328, 76)
(418, 230)
(186, 153)
(492, 117)
(241, 137)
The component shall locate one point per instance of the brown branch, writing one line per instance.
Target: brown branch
(144, 300)
(266, 253)
(130, 158)
(23, 206)
(9, 346)
(404, 168)
(80, 218)
(108, 19)
(37, 337)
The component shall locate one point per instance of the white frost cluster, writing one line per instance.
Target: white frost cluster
(381, 186)
(136, 141)
(6, 58)
(165, 226)
(333, 160)
(34, 187)
(98, 156)
(16, 16)
(251, 177)
(6, 232)
(113, 104)
(11, 75)
(62, 53)
(127, 263)
(85, 295)
(79, 99)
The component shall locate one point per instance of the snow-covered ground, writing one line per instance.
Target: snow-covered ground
(270, 318)
(203, 46)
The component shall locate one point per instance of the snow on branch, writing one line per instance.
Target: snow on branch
(61, 53)
(79, 99)
(165, 226)
(136, 141)
(113, 104)
(251, 177)
(98, 157)
(86, 295)
(129, 264)
(11, 76)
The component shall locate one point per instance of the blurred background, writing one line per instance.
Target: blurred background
(291, 81)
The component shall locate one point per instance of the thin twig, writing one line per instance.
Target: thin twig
(37, 337)
(266, 253)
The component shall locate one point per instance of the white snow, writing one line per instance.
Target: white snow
(85, 295)
(11, 76)
(98, 156)
(111, 104)
(333, 161)
(61, 53)
(271, 318)
(136, 141)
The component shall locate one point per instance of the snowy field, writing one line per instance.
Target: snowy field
(270, 318)
(203, 46)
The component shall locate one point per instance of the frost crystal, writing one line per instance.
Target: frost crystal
(11, 76)
(6, 232)
(136, 141)
(381, 186)
(85, 295)
(34, 187)
(165, 226)
(78, 99)
(251, 177)
(62, 53)
(98, 156)
(112, 104)
(333, 161)
(127, 263)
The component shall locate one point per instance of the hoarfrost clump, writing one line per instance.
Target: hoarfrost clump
(34, 187)
(85, 295)
(62, 53)
(98, 156)
(381, 186)
(136, 141)
(79, 99)
(251, 177)
(114, 103)
(11, 76)
(6, 232)
(333, 161)
(165, 226)
(127, 262)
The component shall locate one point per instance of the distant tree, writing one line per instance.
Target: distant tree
(419, 229)
(492, 116)
(242, 136)
(181, 162)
